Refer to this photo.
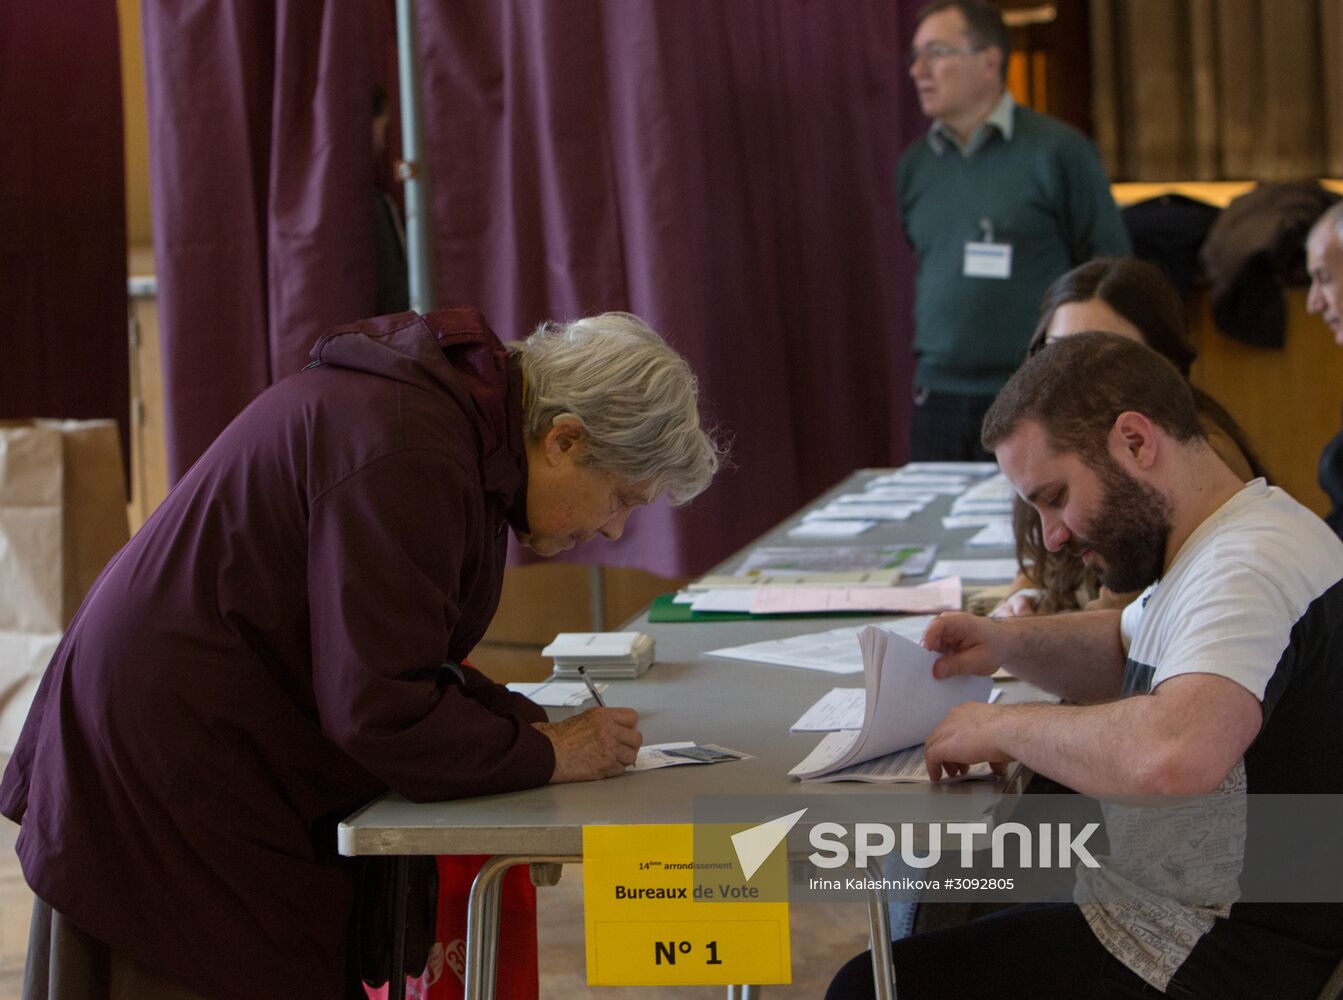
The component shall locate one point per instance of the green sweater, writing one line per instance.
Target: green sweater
(1045, 193)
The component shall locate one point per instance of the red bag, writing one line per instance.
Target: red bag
(444, 978)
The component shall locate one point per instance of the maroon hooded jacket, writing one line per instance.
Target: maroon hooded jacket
(266, 654)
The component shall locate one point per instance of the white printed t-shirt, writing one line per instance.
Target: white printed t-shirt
(1253, 595)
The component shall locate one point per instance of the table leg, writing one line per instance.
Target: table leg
(482, 920)
(879, 936)
(493, 899)
(396, 986)
(482, 927)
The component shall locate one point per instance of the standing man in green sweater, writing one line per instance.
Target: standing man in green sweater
(997, 201)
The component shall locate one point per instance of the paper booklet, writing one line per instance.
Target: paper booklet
(903, 704)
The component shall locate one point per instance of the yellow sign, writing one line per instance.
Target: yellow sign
(669, 906)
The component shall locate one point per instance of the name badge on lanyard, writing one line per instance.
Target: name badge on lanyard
(987, 259)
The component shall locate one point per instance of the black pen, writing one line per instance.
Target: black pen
(583, 673)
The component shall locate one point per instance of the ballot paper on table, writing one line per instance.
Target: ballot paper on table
(998, 487)
(975, 569)
(954, 522)
(896, 510)
(556, 694)
(994, 534)
(951, 468)
(903, 703)
(926, 598)
(837, 709)
(737, 600)
(830, 529)
(835, 651)
(967, 505)
(901, 766)
(897, 494)
(887, 577)
(842, 708)
(657, 755)
(933, 480)
(783, 560)
(938, 485)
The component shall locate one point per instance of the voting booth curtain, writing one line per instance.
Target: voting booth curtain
(1218, 89)
(723, 170)
(63, 214)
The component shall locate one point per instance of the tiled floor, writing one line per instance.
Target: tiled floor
(824, 936)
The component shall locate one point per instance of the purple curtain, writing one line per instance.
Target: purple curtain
(722, 169)
(63, 214)
(262, 176)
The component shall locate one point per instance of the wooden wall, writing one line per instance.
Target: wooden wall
(1288, 401)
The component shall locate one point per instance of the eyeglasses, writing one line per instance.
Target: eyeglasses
(936, 51)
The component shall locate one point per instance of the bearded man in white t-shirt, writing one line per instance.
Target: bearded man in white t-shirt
(1224, 678)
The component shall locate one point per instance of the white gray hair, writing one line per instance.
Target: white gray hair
(635, 397)
(1333, 215)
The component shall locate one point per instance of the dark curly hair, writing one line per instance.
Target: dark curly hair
(1138, 292)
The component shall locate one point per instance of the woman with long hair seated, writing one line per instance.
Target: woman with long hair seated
(1132, 298)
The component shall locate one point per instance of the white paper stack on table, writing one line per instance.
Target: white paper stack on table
(808, 578)
(560, 699)
(842, 708)
(995, 534)
(835, 651)
(951, 468)
(779, 598)
(903, 703)
(935, 596)
(974, 569)
(604, 654)
(997, 487)
(894, 496)
(911, 559)
(986, 505)
(552, 693)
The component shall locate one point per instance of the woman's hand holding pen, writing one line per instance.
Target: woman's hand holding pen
(598, 743)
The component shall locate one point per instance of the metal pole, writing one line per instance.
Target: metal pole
(414, 167)
(879, 936)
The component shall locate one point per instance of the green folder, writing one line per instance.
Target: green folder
(664, 610)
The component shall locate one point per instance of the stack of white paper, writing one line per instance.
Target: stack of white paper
(556, 694)
(801, 578)
(835, 651)
(830, 529)
(911, 559)
(903, 703)
(975, 569)
(836, 710)
(951, 468)
(998, 534)
(940, 595)
(844, 509)
(997, 487)
(604, 654)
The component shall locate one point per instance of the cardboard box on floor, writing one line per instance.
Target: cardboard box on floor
(62, 517)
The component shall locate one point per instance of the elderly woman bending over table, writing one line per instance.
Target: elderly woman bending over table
(285, 639)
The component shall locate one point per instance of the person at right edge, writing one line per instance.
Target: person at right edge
(1192, 714)
(1324, 260)
(997, 201)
